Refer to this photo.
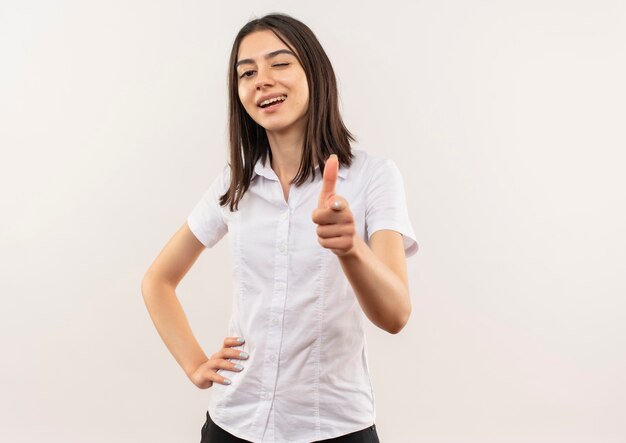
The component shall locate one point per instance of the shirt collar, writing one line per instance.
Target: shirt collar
(266, 170)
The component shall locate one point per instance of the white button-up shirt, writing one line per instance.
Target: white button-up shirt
(306, 377)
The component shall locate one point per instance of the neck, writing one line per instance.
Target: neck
(286, 150)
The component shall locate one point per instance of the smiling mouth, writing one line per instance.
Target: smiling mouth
(272, 101)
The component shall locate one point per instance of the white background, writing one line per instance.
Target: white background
(506, 119)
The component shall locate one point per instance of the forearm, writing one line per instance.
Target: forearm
(171, 323)
(383, 296)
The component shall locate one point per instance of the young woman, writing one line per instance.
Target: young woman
(319, 234)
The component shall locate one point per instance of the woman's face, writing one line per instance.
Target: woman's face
(267, 69)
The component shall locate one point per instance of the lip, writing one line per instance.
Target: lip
(272, 108)
(266, 97)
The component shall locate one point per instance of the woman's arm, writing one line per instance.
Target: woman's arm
(378, 276)
(377, 273)
(159, 293)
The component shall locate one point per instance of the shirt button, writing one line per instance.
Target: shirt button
(282, 247)
(284, 215)
(266, 396)
(274, 321)
(273, 358)
(280, 286)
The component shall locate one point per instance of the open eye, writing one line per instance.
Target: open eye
(246, 74)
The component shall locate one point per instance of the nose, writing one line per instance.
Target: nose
(263, 78)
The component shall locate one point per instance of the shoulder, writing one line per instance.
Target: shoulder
(221, 181)
(219, 184)
(367, 167)
(225, 174)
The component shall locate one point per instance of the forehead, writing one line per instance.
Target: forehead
(259, 43)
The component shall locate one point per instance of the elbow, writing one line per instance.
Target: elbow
(147, 285)
(401, 317)
(153, 285)
(396, 327)
(399, 322)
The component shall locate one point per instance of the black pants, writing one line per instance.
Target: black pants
(212, 433)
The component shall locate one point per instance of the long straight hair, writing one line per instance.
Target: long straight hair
(325, 132)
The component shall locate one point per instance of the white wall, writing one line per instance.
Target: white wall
(505, 117)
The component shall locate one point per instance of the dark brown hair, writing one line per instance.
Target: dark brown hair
(325, 131)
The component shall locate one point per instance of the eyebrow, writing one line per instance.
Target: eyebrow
(267, 56)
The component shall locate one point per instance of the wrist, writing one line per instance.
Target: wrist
(356, 252)
(190, 370)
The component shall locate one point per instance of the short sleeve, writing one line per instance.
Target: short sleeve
(206, 220)
(386, 205)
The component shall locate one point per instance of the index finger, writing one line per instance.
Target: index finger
(329, 179)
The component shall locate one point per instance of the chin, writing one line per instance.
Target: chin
(276, 126)
(280, 126)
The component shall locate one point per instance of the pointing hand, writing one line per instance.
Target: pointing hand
(335, 223)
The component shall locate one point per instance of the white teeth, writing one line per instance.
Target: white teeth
(272, 100)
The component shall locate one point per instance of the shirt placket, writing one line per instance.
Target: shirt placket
(275, 327)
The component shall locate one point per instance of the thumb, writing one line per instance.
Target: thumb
(329, 179)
